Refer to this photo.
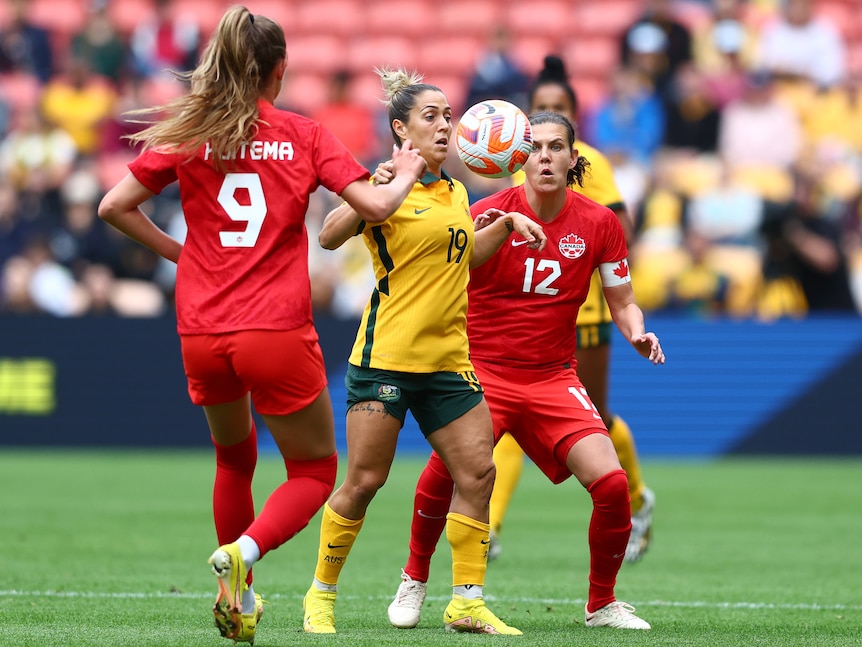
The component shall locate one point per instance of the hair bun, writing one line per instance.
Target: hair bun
(554, 69)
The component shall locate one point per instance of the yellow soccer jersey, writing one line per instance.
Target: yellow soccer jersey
(416, 318)
(599, 185)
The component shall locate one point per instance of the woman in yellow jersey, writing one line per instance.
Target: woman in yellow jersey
(411, 354)
(552, 93)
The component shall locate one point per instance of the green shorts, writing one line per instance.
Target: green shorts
(593, 335)
(434, 399)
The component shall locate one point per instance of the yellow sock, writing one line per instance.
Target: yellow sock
(624, 443)
(469, 541)
(337, 535)
(509, 459)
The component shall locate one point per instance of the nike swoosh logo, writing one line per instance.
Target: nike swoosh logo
(418, 211)
(518, 243)
(484, 541)
(428, 516)
(336, 546)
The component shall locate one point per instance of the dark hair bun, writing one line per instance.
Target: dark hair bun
(554, 70)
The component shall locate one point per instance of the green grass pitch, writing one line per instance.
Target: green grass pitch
(110, 548)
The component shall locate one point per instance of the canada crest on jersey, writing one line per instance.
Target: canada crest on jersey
(572, 246)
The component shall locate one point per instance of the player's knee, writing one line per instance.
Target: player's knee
(321, 471)
(611, 489)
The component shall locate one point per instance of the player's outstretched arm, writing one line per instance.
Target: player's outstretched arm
(490, 236)
(629, 318)
(374, 202)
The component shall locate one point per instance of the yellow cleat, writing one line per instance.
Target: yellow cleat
(318, 608)
(474, 617)
(229, 568)
(244, 632)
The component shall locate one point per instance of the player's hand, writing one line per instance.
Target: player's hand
(384, 172)
(529, 229)
(408, 160)
(647, 345)
(484, 219)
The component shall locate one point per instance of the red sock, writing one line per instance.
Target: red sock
(233, 505)
(430, 505)
(610, 527)
(293, 503)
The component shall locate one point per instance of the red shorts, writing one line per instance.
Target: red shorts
(546, 413)
(283, 369)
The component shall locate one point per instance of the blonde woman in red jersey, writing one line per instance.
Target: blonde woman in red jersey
(245, 172)
(523, 305)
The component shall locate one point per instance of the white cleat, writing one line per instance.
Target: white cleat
(616, 615)
(495, 547)
(641, 535)
(406, 608)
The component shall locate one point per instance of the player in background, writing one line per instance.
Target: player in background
(411, 354)
(552, 92)
(523, 304)
(245, 172)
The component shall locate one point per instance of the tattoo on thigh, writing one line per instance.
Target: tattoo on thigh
(370, 408)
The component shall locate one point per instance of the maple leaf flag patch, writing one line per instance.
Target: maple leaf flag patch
(614, 274)
(622, 269)
(572, 246)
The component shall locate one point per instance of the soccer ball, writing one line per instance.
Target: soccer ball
(493, 138)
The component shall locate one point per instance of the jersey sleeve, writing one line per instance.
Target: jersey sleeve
(599, 183)
(336, 165)
(154, 169)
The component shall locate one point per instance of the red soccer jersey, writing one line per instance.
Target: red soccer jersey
(244, 264)
(523, 303)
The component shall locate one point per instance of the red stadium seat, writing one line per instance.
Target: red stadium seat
(478, 18)
(281, 11)
(206, 14)
(400, 17)
(315, 53)
(449, 55)
(303, 93)
(366, 53)
(530, 52)
(606, 18)
(592, 56)
(59, 16)
(343, 17)
(20, 91)
(126, 14)
(549, 18)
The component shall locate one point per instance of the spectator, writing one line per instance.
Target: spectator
(663, 38)
(350, 121)
(692, 116)
(99, 44)
(497, 75)
(760, 138)
(25, 47)
(629, 128)
(80, 102)
(800, 47)
(725, 39)
(163, 43)
(36, 158)
(804, 249)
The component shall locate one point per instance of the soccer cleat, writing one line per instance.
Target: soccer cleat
(641, 528)
(244, 632)
(318, 608)
(617, 615)
(474, 617)
(495, 547)
(406, 608)
(229, 568)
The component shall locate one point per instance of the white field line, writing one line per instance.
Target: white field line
(525, 600)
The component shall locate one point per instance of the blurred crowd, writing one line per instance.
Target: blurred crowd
(734, 129)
